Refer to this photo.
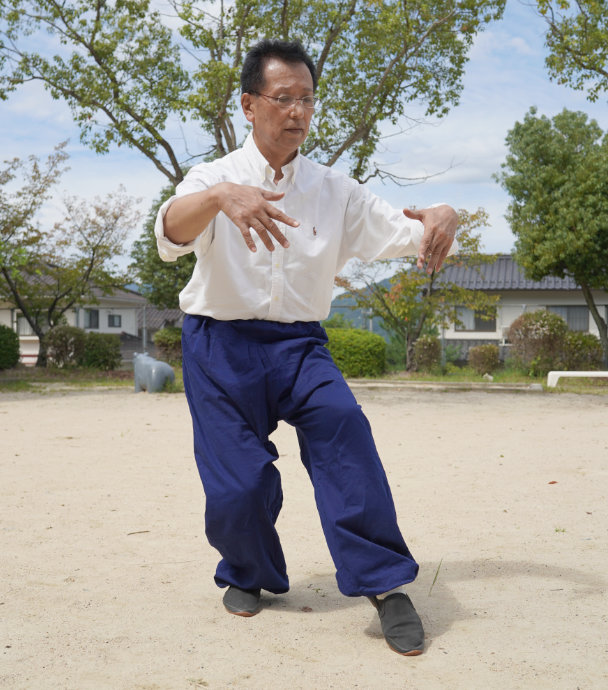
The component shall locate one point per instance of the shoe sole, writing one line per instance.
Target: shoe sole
(413, 652)
(243, 614)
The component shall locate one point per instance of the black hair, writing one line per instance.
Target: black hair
(252, 74)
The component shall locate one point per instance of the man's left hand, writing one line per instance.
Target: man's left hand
(440, 223)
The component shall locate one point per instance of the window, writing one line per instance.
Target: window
(577, 317)
(91, 318)
(23, 326)
(114, 320)
(473, 321)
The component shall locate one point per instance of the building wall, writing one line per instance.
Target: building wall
(514, 304)
(128, 319)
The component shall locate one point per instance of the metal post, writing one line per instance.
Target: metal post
(144, 331)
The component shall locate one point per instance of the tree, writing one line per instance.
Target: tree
(120, 69)
(413, 303)
(159, 281)
(45, 273)
(577, 39)
(556, 173)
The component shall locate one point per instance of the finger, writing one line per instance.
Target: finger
(277, 214)
(424, 249)
(272, 196)
(414, 215)
(248, 239)
(277, 234)
(441, 258)
(265, 225)
(262, 232)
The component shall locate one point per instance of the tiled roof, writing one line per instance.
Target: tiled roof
(502, 274)
(159, 318)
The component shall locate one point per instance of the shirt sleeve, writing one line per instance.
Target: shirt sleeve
(199, 178)
(373, 229)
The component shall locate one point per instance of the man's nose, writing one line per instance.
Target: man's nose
(297, 108)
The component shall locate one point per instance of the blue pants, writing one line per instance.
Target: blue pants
(241, 377)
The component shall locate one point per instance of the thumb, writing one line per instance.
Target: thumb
(272, 196)
(414, 215)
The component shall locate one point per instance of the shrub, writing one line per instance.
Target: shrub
(582, 351)
(453, 353)
(356, 352)
(396, 352)
(101, 351)
(537, 340)
(9, 348)
(65, 345)
(484, 359)
(427, 353)
(168, 343)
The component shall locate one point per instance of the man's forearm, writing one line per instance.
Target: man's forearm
(189, 215)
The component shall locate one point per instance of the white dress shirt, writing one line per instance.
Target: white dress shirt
(339, 220)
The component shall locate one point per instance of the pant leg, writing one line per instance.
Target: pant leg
(224, 385)
(351, 490)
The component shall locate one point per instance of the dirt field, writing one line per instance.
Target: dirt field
(107, 580)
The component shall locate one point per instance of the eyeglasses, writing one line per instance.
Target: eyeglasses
(287, 102)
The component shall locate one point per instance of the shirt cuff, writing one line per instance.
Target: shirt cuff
(167, 250)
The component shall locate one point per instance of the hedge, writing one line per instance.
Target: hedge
(102, 351)
(9, 348)
(356, 352)
(427, 353)
(168, 343)
(484, 359)
(65, 345)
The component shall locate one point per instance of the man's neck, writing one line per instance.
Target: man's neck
(275, 161)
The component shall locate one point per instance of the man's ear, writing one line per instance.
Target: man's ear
(246, 104)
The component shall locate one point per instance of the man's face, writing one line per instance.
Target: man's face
(278, 132)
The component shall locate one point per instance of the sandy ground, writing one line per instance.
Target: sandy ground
(107, 578)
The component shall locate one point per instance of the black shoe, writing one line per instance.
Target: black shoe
(242, 602)
(400, 623)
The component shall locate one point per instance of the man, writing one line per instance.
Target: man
(270, 230)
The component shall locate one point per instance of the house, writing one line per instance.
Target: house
(517, 294)
(124, 312)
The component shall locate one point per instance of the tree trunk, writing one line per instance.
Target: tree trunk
(42, 354)
(601, 324)
(409, 355)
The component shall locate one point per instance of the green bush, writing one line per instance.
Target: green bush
(357, 352)
(9, 348)
(452, 353)
(396, 352)
(537, 340)
(427, 353)
(484, 359)
(168, 343)
(582, 352)
(65, 345)
(101, 351)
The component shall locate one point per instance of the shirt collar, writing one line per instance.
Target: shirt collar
(262, 168)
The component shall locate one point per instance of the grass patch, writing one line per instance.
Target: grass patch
(34, 379)
(466, 375)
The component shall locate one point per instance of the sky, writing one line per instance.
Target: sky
(504, 77)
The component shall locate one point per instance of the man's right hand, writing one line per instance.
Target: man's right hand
(250, 208)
